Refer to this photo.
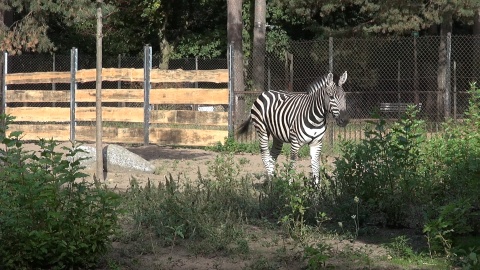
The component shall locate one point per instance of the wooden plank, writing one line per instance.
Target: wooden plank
(59, 132)
(82, 95)
(189, 96)
(37, 77)
(114, 114)
(110, 134)
(38, 96)
(111, 74)
(54, 114)
(121, 74)
(179, 75)
(189, 117)
(186, 137)
(118, 114)
(39, 114)
(110, 95)
(202, 96)
(161, 136)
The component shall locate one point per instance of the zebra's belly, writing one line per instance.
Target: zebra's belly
(302, 136)
(310, 135)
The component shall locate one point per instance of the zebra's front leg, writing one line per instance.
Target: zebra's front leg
(315, 151)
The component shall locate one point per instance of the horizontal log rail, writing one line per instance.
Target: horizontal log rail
(121, 74)
(120, 114)
(200, 96)
(161, 136)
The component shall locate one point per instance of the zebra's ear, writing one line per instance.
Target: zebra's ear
(343, 79)
(330, 78)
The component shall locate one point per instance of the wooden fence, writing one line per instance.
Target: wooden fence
(198, 128)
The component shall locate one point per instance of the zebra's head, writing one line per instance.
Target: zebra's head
(335, 100)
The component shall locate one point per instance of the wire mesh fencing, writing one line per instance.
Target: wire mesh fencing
(384, 75)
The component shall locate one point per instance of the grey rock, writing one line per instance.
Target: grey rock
(118, 158)
(88, 154)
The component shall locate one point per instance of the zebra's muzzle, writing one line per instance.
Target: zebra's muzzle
(342, 120)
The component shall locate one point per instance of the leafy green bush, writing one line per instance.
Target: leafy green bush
(49, 218)
(451, 221)
(232, 146)
(382, 170)
(453, 164)
(401, 177)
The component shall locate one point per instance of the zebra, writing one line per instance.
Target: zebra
(298, 119)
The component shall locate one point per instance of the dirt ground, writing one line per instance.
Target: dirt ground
(184, 163)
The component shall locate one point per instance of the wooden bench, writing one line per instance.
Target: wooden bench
(397, 107)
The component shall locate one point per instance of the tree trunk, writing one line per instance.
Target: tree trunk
(98, 95)
(2, 23)
(430, 103)
(258, 58)
(445, 28)
(234, 35)
(165, 47)
(166, 50)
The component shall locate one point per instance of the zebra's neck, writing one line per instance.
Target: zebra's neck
(317, 111)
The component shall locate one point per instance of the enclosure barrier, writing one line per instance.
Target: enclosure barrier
(64, 121)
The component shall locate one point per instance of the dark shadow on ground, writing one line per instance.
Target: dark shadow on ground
(152, 152)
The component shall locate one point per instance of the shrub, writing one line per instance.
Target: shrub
(48, 217)
(382, 170)
(453, 164)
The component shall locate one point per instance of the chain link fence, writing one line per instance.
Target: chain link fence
(395, 70)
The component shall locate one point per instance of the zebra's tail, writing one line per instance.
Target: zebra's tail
(243, 128)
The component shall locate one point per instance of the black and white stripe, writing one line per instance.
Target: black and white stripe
(297, 119)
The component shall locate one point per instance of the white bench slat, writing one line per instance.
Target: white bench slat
(397, 107)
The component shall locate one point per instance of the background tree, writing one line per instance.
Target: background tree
(235, 39)
(398, 18)
(258, 60)
(176, 29)
(46, 26)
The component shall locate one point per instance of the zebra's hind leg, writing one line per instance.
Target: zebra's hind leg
(267, 159)
(315, 151)
(294, 147)
(276, 149)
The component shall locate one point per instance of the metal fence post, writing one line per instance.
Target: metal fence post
(231, 92)
(195, 106)
(447, 103)
(330, 69)
(4, 83)
(330, 54)
(455, 90)
(73, 89)
(147, 67)
(54, 85)
(119, 61)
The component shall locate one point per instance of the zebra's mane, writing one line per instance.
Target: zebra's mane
(320, 83)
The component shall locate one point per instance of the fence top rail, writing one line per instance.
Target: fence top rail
(121, 74)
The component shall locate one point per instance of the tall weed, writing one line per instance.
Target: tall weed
(208, 211)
